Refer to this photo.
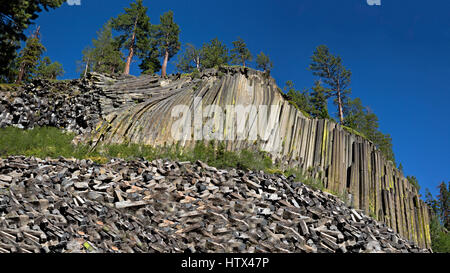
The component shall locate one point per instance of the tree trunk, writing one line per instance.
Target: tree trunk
(131, 50)
(86, 68)
(21, 73)
(164, 66)
(341, 113)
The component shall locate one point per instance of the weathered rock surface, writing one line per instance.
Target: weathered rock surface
(66, 205)
(139, 110)
(71, 105)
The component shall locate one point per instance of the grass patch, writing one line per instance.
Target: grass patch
(353, 131)
(298, 108)
(193, 75)
(52, 142)
(8, 87)
(39, 142)
(306, 179)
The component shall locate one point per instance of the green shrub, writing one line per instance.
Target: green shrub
(307, 180)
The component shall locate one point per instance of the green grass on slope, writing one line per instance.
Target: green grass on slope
(51, 142)
(39, 142)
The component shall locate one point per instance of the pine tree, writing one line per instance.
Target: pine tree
(431, 202)
(29, 57)
(9, 73)
(151, 64)
(87, 61)
(363, 120)
(214, 54)
(190, 59)
(105, 55)
(15, 17)
(440, 237)
(48, 69)
(444, 204)
(240, 54)
(8, 58)
(167, 39)
(134, 24)
(318, 100)
(333, 73)
(300, 98)
(354, 113)
(263, 62)
(413, 181)
(384, 143)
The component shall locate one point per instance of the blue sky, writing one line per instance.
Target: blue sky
(399, 54)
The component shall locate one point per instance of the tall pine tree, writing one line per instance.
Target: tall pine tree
(444, 204)
(87, 62)
(167, 39)
(333, 73)
(134, 24)
(29, 57)
(240, 54)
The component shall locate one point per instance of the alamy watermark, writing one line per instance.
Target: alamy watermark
(234, 122)
(74, 2)
(374, 2)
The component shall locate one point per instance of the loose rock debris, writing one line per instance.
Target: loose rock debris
(68, 205)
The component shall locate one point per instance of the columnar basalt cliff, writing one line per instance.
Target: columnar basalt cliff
(139, 110)
(347, 163)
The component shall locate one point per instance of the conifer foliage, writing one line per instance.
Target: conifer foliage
(105, 55)
(15, 17)
(214, 54)
(48, 69)
(29, 57)
(240, 54)
(167, 39)
(364, 120)
(190, 59)
(134, 26)
(334, 75)
(263, 62)
(439, 209)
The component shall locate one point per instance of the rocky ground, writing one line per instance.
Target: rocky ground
(64, 205)
(70, 105)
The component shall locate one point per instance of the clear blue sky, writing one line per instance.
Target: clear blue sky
(399, 54)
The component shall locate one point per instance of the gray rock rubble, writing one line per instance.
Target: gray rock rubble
(64, 205)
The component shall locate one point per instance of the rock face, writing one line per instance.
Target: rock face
(66, 205)
(139, 110)
(71, 105)
(347, 163)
